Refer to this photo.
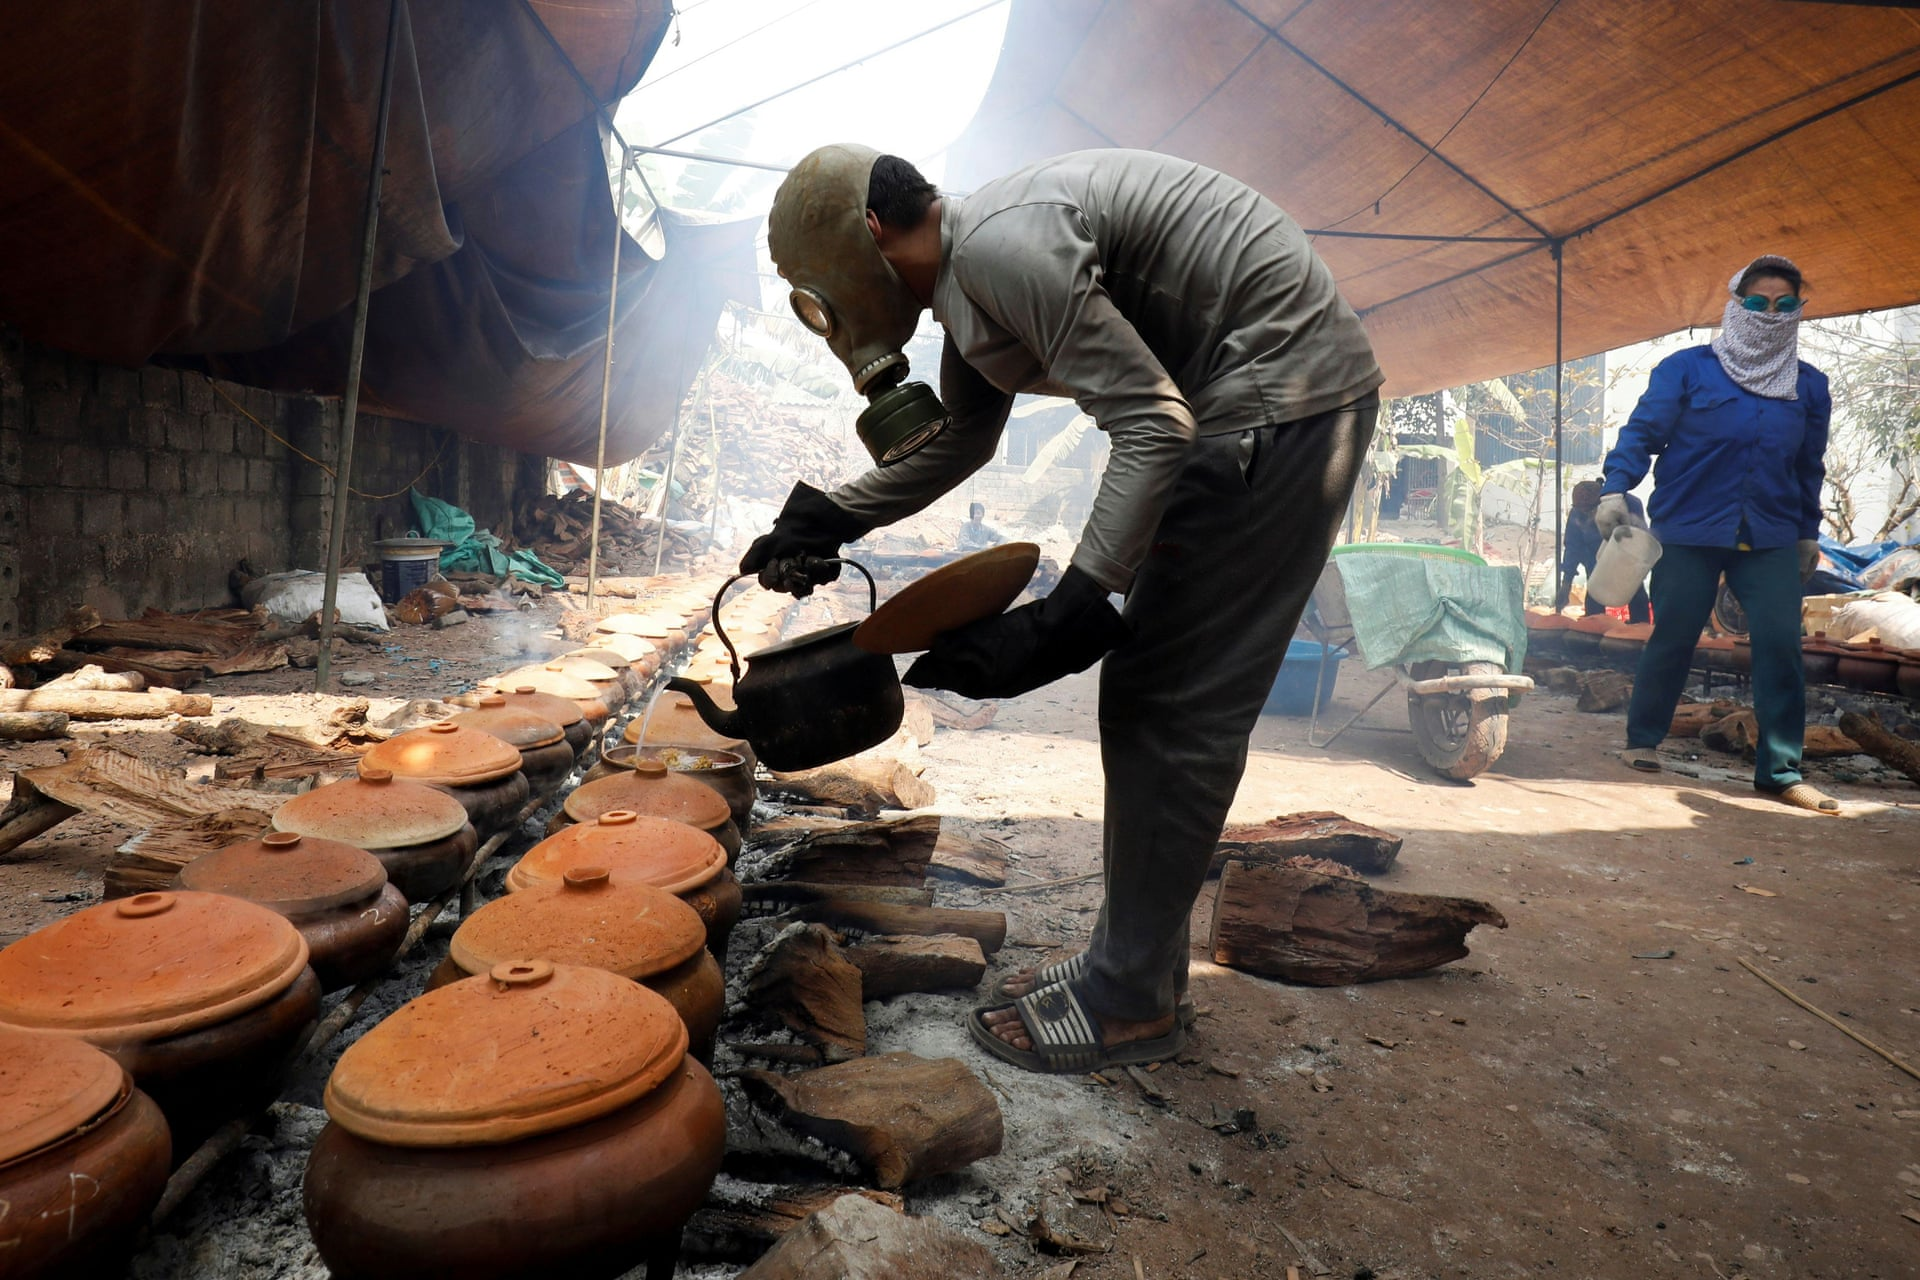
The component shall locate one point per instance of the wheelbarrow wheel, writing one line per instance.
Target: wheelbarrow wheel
(1460, 734)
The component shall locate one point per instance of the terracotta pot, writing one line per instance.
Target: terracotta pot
(558, 674)
(446, 754)
(1907, 678)
(632, 929)
(1585, 634)
(420, 834)
(492, 806)
(542, 1120)
(666, 854)
(1741, 655)
(1871, 667)
(1819, 659)
(556, 684)
(725, 771)
(337, 896)
(200, 996)
(561, 711)
(1624, 641)
(545, 755)
(1713, 653)
(69, 1112)
(632, 678)
(631, 648)
(673, 720)
(651, 789)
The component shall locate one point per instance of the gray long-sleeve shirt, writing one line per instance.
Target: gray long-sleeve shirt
(1167, 300)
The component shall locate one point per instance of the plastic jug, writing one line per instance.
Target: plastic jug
(1622, 565)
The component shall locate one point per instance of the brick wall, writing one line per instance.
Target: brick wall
(129, 489)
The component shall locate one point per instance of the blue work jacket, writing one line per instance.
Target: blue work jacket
(1726, 455)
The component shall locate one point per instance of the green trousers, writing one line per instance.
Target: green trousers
(1767, 584)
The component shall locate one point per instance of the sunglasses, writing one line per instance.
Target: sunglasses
(1788, 304)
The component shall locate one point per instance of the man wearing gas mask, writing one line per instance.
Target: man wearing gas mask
(1192, 320)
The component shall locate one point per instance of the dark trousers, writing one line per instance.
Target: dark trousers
(1246, 532)
(1767, 584)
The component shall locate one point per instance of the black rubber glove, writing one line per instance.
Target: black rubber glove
(1015, 652)
(808, 530)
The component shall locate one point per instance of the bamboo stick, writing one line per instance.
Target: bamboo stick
(1830, 1020)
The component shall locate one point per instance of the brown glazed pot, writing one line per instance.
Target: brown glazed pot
(1713, 653)
(632, 679)
(675, 721)
(420, 834)
(491, 806)
(1585, 634)
(1870, 668)
(635, 930)
(69, 1112)
(561, 711)
(724, 771)
(1819, 659)
(1623, 642)
(1741, 655)
(546, 757)
(455, 1149)
(1907, 678)
(648, 787)
(200, 996)
(337, 896)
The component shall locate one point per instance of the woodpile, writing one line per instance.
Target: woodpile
(560, 532)
(165, 650)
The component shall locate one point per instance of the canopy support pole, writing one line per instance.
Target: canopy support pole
(606, 377)
(1559, 382)
(356, 346)
(666, 486)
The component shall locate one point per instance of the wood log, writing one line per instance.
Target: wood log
(893, 965)
(1604, 691)
(918, 720)
(1738, 733)
(741, 1221)
(29, 813)
(890, 852)
(92, 676)
(1324, 931)
(32, 726)
(857, 1239)
(6, 677)
(864, 784)
(152, 859)
(901, 1117)
(1884, 745)
(969, 858)
(259, 656)
(1332, 836)
(1689, 718)
(770, 897)
(804, 982)
(852, 916)
(95, 704)
(34, 651)
(155, 677)
(171, 632)
(133, 792)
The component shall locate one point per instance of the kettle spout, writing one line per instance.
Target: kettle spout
(732, 724)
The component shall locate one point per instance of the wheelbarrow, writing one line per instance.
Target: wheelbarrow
(1457, 708)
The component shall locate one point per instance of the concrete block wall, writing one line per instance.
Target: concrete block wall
(130, 489)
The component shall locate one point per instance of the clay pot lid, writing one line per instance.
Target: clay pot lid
(644, 625)
(288, 872)
(155, 964)
(564, 712)
(558, 684)
(52, 1085)
(628, 928)
(446, 753)
(594, 673)
(1629, 631)
(966, 590)
(657, 851)
(608, 658)
(675, 720)
(1595, 623)
(650, 788)
(373, 811)
(517, 727)
(629, 648)
(1547, 621)
(530, 1048)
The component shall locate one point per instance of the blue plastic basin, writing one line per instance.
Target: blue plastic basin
(1292, 693)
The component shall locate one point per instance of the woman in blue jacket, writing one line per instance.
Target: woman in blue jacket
(1740, 429)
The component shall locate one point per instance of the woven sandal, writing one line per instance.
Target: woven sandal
(1802, 796)
(1073, 968)
(1066, 1037)
(1645, 759)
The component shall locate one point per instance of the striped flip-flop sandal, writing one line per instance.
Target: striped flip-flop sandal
(1066, 1036)
(1072, 969)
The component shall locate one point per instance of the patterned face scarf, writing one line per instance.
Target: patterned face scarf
(1760, 350)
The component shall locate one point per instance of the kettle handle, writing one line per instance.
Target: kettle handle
(733, 654)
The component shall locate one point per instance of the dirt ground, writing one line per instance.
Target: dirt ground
(1553, 1104)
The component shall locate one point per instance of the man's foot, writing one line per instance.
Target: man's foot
(1024, 981)
(1050, 1031)
(1645, 759)
(1802, 796)
(1007, 1027)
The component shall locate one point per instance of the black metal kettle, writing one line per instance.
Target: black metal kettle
(808, 701)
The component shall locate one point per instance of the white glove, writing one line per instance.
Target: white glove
(1809, 557)
(1611, 514)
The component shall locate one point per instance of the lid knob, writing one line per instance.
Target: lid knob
(281, 841)
(586, 879)
(444, 726)
(520, 973)
(493, 700)
(525, 689)
(554, 666)
(142, 905)
(617, 817)
(375, 775)
(649, 767)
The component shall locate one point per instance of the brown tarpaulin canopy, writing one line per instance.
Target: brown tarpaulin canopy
(183, 179)
(1663, 144)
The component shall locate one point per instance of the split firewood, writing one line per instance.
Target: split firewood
(970, 858)
(894, 965)
(852, 916)
(34, 651)
(155, 677)
(92, 676)
(261, 656)
(1737, 734)
(173, 632)
(1884, 745)
(1604, 691)
(1325, 931)
(227, 737)
(894, 851)
(29, 812)
(1689, 718)
(135, 793)
(94, 704)
(805, 982)
(150, 860)
(1332, 836)
(6, 677)
(863, 784)
(740, 1221)
(855, 1238)
(770, 897)
(951, 711)
(901, 1117)
(918, 720)
(32, 726)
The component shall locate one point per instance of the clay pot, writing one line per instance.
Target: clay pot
(491, 807)
(1544, 632)
(669, 855)
(1624, 641)
(557, 684)
(597, 676)
(675, 721)
(444, 753)
(337, 896)
(653, 790)
(545, 755)
(670, 632)
(561, 711)
(420, 834)
(1870, 668)
(632, 929)
(725, 771)
(632, 680)
(1713, 653)
(632, 649)
(1907, 678)
(68, 1111)
(1585, 634)
(541, 1120)
(1819, 659)
(200, 996)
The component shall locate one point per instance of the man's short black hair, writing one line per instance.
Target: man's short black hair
(898, 193)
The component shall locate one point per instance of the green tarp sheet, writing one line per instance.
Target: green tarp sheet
(472, 550)
(1407, 609)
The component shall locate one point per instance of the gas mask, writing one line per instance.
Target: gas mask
(845, 291)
